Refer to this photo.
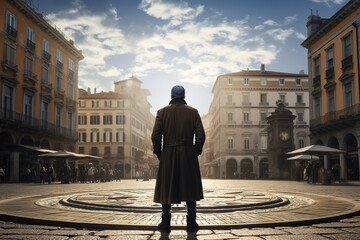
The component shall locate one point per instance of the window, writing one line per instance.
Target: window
(300, 117)
(263, 81)
(263, 98)
(70, 92)
(263, 142)
(317, 66)
(94, 120)
(230, 116)
(246, 143)
(246, 98)
(282, 98)
(94, 104)
(120, 119)
(81, 150)
(107, 103)
(120, 152)
(301, 142)
(45, 74)
(82, 120)
(107, 151)
(263, 116)
(230, 81)
(82, 103)
(69, 120)
(46, 47)
(83, 137)
(107, 119)
(44, 114)
(298, 82)
(30, 39)
(348, 94)
(120, 136)
(246, 116)
(28, 103)
(317, 107)
(58, 119)
(120, 103)
(71, 67)
(246, 81)
(281, 81)
(347, 46)
(229, 98)
(230, 143)
(299, 98)
(10, 55)
(94, 151)
(331, 101)
(330, 57)
(8, 102)
(59, 83)
(29, 65)
(59, 59)
(11, 24)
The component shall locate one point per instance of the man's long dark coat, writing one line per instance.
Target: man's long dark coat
(179, 176)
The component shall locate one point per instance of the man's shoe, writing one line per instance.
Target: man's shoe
(164, 226)
(191, 226)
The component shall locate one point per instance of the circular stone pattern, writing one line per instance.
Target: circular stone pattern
(134, 209)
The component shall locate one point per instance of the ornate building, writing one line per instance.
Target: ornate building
(242, 102)
(333, 60)
(38, 86)
(117, 126)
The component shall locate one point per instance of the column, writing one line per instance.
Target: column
(14, 167)
(326, 162)
(342, 167)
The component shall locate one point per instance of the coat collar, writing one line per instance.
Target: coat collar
(177, 101)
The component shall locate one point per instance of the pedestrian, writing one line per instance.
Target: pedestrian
(308, 172)
(42, 175)
(178, 176)
(2, 174)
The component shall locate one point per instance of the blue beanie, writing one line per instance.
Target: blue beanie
(177, 91)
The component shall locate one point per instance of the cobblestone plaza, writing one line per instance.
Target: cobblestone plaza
(232, 209)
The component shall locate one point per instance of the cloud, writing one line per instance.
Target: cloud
(111, 72)
(114, 12)
(270, 23)
(280, 34)
(166, 11)
(329, 3)
(300, 36)
(259, 27)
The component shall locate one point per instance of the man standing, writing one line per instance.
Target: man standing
(179, 176)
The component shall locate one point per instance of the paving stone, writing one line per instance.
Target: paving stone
(33, 237)
(295, 237)
(354, 219)
(352, 230)
(312, 230)
(346, 236)
(129, 237)
(337, 225)
(256, 232)
(217, 236)
(85, 238)
(201, 232)
(123, 232)
(21, 231)
(216, 231)
(69, 232)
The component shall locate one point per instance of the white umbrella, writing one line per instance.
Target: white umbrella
(316, 149)
(69, 155)
(304, 157)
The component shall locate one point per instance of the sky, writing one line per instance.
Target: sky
(189, 42)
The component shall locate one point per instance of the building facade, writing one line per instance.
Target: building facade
(241, 103)
(117, 126)
(333, 61)
(38, 86)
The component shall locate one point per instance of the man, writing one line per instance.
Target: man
(179, 176)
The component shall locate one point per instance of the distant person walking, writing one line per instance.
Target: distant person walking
(179, 176)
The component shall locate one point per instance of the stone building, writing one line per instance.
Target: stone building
(117, 126)
(238, 111)
(38, 87)
(333, 61)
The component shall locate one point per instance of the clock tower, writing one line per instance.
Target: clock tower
(280, 141)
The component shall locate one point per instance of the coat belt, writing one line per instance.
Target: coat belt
(180, 142)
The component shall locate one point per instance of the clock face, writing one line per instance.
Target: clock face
(284, 135)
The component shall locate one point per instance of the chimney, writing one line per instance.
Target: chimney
(94, 90)
(262, 67)
(89, 90)
(301, 72)
(313, 23)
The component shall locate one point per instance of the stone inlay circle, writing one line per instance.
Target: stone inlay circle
(134, 209)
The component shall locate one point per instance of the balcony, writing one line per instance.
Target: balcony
(46, 86)
(71, 74)
(316, 81)
(31, 77)
(263, 103)
(330, 73)
(29, 123)
(336, 120)
(12, 32)
(46, 56)
(59, 65)
(347, 63)
(30, 45)
(300, 104)
(60, 94)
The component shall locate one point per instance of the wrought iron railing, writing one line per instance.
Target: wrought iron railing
(30, 45)
(46, 56)
(347, 62)
(336, 115)
(11, 31)
(27, 121)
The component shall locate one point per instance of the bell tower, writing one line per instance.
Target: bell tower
(280, 141)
